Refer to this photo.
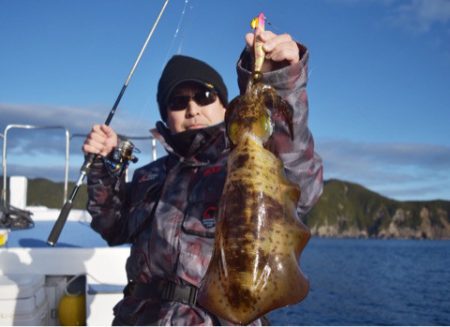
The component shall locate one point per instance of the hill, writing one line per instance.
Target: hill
(44, 192)
(350, 210)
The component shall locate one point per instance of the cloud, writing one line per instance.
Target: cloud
(421, 15)
(363, 2)
(398, 170)
(417, 16)
(437, 190)
(75, 119)
(424, 156)
(78, 121)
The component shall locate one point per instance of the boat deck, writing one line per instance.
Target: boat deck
(79, 251)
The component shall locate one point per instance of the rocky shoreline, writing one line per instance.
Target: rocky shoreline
(348, 210)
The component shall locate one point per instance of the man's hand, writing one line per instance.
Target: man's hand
(101, 140)
(280, 50)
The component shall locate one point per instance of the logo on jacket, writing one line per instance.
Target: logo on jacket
(212, 170)
(209, 217)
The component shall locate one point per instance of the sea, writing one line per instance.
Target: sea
(372, 282)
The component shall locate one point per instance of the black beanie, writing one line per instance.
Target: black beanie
(181, 69)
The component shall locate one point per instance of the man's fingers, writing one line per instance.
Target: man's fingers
(107, 130)
(287, 52)
(91, 146)
(249, 38)
(96, 148)
(87, 148)
(278, 48)
(272, 41)
(101, 140)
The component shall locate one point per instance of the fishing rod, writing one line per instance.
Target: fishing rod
(59, 224)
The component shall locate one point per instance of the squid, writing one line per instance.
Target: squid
(259, 237)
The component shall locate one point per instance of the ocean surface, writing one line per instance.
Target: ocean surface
(373, 282)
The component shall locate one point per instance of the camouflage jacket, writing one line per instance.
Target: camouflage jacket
(168, 211)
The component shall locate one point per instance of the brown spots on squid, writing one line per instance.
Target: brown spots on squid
(242, 111)
(239, 297)
(240, 161)
(238, 259)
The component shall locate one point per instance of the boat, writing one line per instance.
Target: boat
(76, 282)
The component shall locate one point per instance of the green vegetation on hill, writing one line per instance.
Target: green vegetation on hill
(43, 192)
(348, 209)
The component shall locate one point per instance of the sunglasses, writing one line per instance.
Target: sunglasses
(202, 98)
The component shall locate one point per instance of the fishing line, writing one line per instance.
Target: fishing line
(180, 46)
(273, 27)
(149, 103)
(151, 97)
(177, 31)
(179, 24)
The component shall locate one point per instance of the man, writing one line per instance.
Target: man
(169, 209)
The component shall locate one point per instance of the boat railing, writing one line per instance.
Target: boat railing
(68, 138)
(4, 156)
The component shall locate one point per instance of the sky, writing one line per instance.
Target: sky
(379, 79)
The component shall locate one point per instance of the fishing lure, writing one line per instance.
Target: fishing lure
(259, 236)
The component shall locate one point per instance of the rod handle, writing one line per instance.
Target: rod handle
(59, 224)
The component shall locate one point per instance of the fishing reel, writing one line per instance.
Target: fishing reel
(120, 157)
